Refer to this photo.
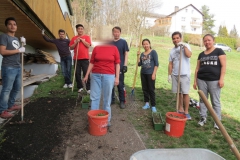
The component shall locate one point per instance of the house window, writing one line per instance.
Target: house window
(192, 11)
(194, 29)
(183, 18)
(183, 28)
(186, 10)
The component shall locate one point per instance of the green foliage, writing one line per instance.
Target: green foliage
(194, 39)
(233, 33)
(208, 21)
(231, 42)
(222, 32)
(86, 99)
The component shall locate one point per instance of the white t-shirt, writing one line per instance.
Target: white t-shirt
(185, 64)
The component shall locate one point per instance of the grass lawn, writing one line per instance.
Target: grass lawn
(194, 135)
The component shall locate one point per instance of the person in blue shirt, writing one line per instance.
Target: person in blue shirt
(123, 50)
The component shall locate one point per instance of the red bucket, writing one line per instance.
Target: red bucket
(175, 124)
(97, 125)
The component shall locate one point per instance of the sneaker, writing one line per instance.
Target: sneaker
(70, 86)
(122, 105)
(14, 107)
(202, 121)
(154, 109)
(6, 114)
(188, 116)
(88, 91)
(146, 106)
(65, 86)
(80, 90)
(216, 126)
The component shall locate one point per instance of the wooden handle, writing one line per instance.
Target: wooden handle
(22, 92)
(75, 67)
(136, 70)
(179, 73)
(219, 123)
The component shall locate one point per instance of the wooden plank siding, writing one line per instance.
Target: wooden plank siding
(50, 13)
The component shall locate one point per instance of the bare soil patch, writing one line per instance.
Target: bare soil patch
(59, 130)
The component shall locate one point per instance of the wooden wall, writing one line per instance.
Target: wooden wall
(50, 13)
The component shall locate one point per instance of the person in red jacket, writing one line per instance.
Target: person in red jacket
(105, 68)
(80, 43)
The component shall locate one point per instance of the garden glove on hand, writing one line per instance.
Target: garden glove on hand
(181, 44)
(23, 41)
(43, 32)
(21, 49)
(124, 69)
(169, 79)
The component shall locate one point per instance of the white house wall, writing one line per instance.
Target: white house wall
(178, 21)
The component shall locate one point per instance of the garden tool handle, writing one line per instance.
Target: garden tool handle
(178, 80)
(136, 70)
(220, 125)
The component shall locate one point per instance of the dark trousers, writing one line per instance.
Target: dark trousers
(120, 89)
(66, 66)
(82, 66)
(148, 88)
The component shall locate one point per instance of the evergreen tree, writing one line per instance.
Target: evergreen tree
(220, 31)
(208, 21)
(233, 33)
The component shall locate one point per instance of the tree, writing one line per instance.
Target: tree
(233, 33)
(208, 21)
(222, 32)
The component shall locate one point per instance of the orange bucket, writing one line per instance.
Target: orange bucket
(97, 124)
(175, 124)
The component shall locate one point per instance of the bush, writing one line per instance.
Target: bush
(231, 42)
(194, 39)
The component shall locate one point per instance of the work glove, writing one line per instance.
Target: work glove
(21, 49)
(43, 31)
(181, 44)
(23, 40)
(124, 69)
(169, 79)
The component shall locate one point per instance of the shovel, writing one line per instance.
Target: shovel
(220, 125)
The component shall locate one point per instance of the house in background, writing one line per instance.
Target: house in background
(32, 16)
(186, 20)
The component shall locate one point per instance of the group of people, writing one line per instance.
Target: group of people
(108, 64)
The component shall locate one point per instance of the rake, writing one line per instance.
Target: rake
(136, 70)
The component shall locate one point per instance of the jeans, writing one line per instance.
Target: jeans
(66, 66)
(11, 85)
(120, 89)
(101, 83)
(212, 88)
(82, 66)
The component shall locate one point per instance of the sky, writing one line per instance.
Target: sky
(226, 12)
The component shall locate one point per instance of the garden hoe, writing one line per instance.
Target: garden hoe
(75, 67)
(179, 73)
(136, 70)
(220, 125)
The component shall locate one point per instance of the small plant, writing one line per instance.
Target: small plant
(156, 118)
(85, 99)
(101, 114)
